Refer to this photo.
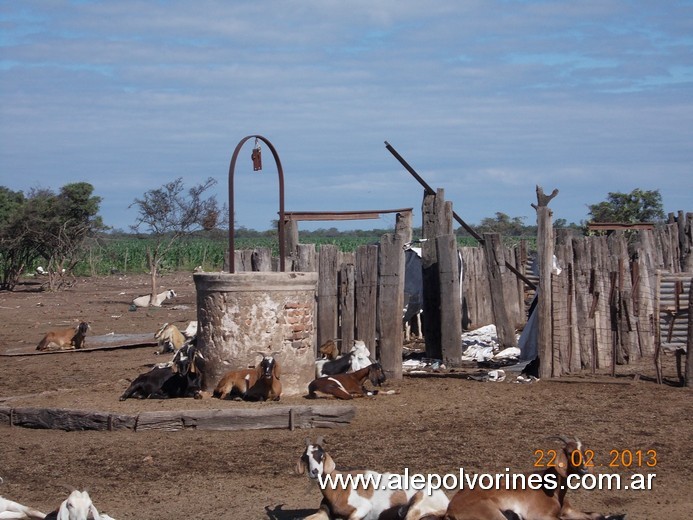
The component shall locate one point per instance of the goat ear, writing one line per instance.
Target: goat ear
(277, 371)
(300, 467)
(93, 513)
(328, 465)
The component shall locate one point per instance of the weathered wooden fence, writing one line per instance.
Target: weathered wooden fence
(604, 301)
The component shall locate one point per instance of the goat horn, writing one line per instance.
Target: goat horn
(320, 440)
(308, 441)
(562, 438)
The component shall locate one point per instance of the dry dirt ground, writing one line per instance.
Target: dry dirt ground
(433, 425)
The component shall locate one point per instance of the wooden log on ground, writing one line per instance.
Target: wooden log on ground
(68, 420)
(228, 419)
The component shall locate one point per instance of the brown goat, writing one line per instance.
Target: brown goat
(545, 503)
(64, 339)
(329, 350)
(253, 384)
(349, 385)
(236, 383)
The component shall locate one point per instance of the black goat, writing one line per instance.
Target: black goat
(183, 378)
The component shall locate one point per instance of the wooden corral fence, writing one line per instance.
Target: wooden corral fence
(601, 313)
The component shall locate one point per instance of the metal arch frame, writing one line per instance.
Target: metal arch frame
(280, 171)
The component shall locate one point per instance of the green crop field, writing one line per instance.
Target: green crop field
(128, 254)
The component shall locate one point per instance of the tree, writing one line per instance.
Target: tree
(502, 224)
(636, 206)
(168, 213)
(48, 226)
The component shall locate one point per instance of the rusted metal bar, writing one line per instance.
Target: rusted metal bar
(341, 215)
(431, 191)
(280, 172)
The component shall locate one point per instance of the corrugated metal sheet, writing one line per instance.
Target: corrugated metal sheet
(673, 291)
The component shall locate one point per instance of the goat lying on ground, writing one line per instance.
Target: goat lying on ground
(542, 504)
(64, 339)
(144, 301)
(78, 506)
(14, 510)
(183, 378)
(261, 383)
(169, 338)
(348, 386)
(365, 499)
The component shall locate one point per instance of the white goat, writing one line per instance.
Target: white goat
(143, 301)
(13, 510)
(191, 330)
(78, 506)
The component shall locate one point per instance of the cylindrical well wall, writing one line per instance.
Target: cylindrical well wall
(241, 314)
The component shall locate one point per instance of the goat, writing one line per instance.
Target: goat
(348, 386)
(183, 378)
(356, 500)
(357, 358)
(329, 350)
(77, 506)
(422, 506)
(361, 356)
(253, 384)
(144, 301)
(235, 383)
(191, 330)
(10, 509)
(64, 339)
(542, 503)
(268, 385)
(169, 338)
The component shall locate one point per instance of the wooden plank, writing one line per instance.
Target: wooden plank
(366, 295)
(545, 248)
(68, 420)
(228, 419)
(261, 259)
(390, 303)
(495, 266)
(341, 215)
(327, 293)
(450, 303)
(347, 306)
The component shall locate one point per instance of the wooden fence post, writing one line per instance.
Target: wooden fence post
(495, 263)
(450, 299)
(346, 307)
(327, 293)
(366, 287)
(545, 249)
(390, 304)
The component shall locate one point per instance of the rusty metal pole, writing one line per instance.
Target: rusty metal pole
(280, 171)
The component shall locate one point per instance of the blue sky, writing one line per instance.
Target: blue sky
(485, 99)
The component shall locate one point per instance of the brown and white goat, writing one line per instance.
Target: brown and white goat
(348, 386)
(366, 499)
(169, 338)
(261, 383)
(544, 503)
(64, 339)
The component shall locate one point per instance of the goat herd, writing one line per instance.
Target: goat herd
(344, 377)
